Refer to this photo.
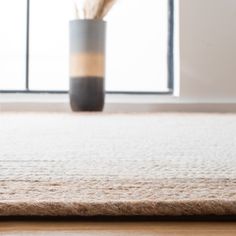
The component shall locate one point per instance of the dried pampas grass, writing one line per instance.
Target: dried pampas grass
(92, 9)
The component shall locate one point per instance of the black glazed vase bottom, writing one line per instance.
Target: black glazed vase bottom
(87, 94)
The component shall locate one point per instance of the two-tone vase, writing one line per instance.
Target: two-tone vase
(87, 65)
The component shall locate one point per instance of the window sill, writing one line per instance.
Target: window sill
(115, 103)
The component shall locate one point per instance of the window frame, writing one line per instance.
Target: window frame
(170, 61)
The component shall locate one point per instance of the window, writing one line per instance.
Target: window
(139, 46)
(12, 44)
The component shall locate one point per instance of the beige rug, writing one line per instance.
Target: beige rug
(149, 164)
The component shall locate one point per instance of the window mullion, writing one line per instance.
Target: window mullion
(27, 46)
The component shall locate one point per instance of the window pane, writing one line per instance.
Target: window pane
(136, 45)
(12, 44)
(49, 42)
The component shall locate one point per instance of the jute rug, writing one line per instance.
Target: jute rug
(110, 164)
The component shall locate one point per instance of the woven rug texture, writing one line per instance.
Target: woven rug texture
(117, 164)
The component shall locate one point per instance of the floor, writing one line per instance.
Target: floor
(52, 228)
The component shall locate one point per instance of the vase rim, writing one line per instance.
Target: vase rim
(92, 20)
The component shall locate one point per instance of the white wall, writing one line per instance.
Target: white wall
(208, 49)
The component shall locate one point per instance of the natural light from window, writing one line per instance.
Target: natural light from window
(137, 45)
(12, 44)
